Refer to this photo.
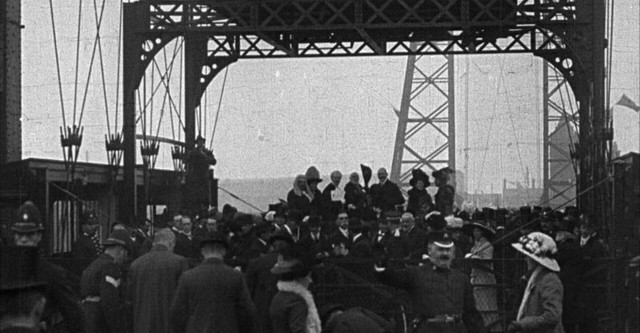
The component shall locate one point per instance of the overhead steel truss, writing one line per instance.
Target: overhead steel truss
(567, 33)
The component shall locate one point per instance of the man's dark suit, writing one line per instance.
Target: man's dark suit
(212, 297)
(386, 196)
(337, 238)
(330, 208)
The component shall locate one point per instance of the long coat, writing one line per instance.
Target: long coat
(153, 281)
(211, 298)
(262, 286)
(288, 313)
(543, 309)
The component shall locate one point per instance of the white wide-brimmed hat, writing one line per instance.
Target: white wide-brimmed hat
(539, 247)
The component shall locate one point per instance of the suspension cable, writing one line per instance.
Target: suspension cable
(75, 93)
(215, 123)
(118, 66)
(240, 199)
(104, 85)
(513, 127)
(96, 41)
(55, 47)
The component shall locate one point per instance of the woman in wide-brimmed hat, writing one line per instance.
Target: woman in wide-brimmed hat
(293, 308)
(482, 278)
(541, 306)
(419, 203)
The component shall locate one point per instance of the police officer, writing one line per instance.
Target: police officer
(87, 247)
(62, 313)
(442, 297)
(101, 287)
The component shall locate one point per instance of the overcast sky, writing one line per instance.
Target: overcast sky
(278, 116)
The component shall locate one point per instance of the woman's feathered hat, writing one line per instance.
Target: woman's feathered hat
(418, 174)
(539, 247)
(313, 175)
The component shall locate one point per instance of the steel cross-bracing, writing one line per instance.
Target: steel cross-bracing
(426, 120)
(570, 34)
(560, 118)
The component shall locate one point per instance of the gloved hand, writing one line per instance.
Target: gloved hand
(514, 327)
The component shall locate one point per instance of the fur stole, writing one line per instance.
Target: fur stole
(313, 319)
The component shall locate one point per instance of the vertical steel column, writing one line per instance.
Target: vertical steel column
(426, 115)
(195, 53)
(132, 24)
(559, 113)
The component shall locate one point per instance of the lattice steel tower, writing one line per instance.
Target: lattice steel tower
(425, 137)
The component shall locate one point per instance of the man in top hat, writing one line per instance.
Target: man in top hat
(441, 295)
(386, 195)
(62, 311)
(87, 247)
(541, 306)
(153, 279)
(101, 287)
(212, 297)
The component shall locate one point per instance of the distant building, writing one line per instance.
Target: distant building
(517, 194)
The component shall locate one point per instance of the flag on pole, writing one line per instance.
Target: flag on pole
(626, 101)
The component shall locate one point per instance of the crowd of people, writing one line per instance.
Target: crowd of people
(230, 271)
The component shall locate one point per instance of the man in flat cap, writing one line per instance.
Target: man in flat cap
(101, 287)
(62, 312)
(442, 296)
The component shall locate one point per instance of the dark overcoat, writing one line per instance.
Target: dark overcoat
(212, 298)
(153, 281)
(262, 286)
(288, 313)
